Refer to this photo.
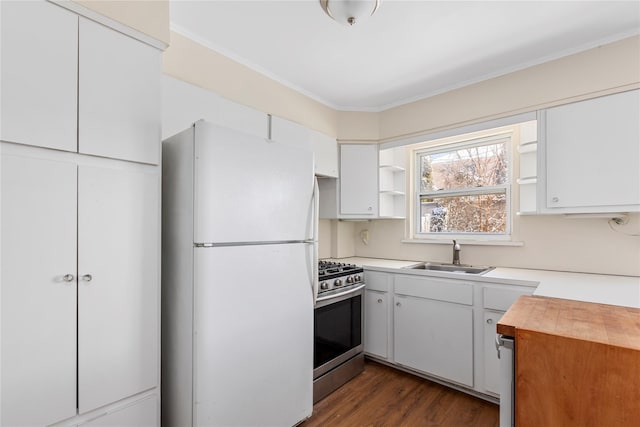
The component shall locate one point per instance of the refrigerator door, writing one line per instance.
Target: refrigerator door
(253, 337)
(248, 189)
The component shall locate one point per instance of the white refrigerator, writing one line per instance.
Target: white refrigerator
(239, 264)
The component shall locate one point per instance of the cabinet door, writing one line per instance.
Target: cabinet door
(183, 104)
(593, 152)
(491, 361)
(288, 132)
(434, 337)
(119, 95)
(38, 304)
(325, 149)
(118, 229)
(39, 74)
(359, 180)
(376, 305)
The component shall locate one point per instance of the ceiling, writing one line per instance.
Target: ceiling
(407, 51)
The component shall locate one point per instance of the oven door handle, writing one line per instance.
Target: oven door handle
(341, 294)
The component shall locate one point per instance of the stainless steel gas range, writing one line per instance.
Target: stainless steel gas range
(338, 327)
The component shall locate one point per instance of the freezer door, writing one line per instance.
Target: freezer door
(248, 189)
(253, 337)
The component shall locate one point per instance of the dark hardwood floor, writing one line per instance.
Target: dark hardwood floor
(383, 396)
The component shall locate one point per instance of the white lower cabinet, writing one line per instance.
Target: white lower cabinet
(376, 315)
(79, 284)
(441, 328)
(118, 276)
(491, 361)
(38, 291)
(434, 337)
(496, 300)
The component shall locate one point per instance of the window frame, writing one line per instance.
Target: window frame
(505, 136)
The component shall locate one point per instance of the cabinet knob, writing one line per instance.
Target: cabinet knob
(87, 278)
(555, 199)
(398, 304)
(68, 277)
(370, 208)
(490, 321)
(379, 300)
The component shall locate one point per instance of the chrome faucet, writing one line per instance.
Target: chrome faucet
(456, 253)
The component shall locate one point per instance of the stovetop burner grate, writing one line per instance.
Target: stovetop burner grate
(333, 275)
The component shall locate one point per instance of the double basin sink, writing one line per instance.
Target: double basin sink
(452, 268)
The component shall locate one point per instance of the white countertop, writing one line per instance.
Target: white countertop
(599, 288)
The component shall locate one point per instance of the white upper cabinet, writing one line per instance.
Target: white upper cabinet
(324, 147)
(39, 75)
(288, 132)
(71, 84)
(183, 104)
(237, 116)
(359, 180)
(592, 155)
(119, 96)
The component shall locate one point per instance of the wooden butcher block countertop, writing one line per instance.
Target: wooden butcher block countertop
(576, 363)
(602, 323)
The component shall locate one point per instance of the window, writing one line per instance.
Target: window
(463, 188)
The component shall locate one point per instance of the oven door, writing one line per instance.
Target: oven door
(338, 332)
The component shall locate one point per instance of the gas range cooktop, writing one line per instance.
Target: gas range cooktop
(333, 275)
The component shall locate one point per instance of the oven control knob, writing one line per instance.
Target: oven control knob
(324, 285)
(337, 282)
(349, 280)
(357, 278)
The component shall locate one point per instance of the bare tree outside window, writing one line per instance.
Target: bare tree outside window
(464, 190)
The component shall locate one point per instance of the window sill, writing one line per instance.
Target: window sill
(464, 242)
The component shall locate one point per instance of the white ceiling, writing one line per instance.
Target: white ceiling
(407, 51)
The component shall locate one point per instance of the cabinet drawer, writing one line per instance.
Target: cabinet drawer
(501, 298)
(438, 289)
(375, 281)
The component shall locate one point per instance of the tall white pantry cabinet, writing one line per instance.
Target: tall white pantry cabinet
(80, 221)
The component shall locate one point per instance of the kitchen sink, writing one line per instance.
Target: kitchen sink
(452, 268)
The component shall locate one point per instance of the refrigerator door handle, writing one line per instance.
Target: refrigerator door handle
(316, 219)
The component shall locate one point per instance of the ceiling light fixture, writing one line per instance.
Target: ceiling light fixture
(349, 11)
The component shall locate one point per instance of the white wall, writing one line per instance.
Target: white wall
(550, 243)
